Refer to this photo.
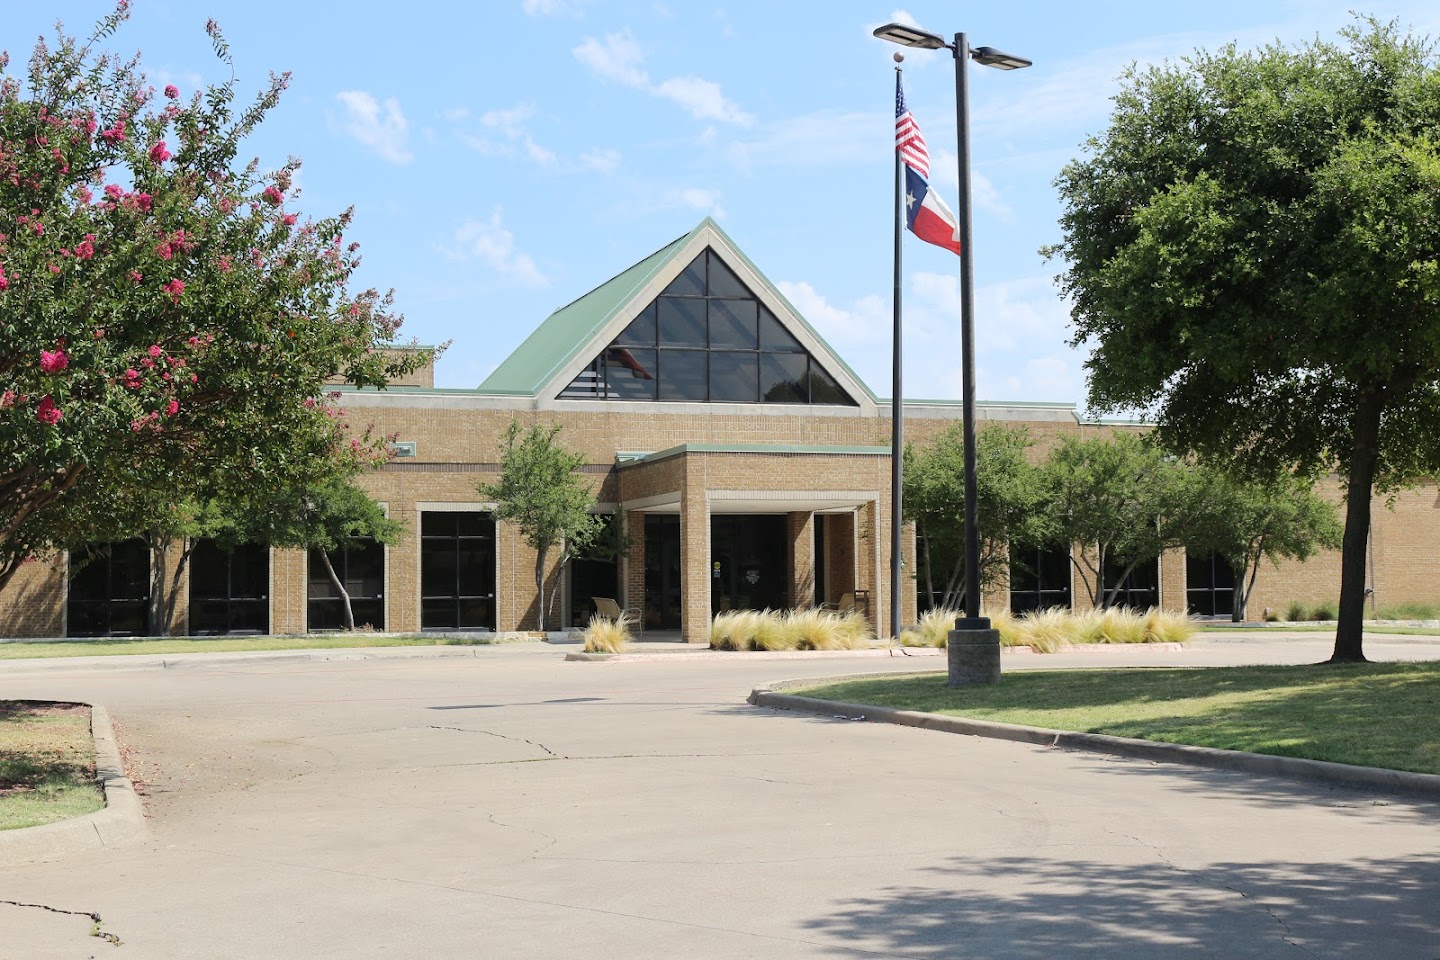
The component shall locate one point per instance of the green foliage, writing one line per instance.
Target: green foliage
(166, 323)
(1253, 250)
(1007, 505)
(540, 492)
(1272, 520)
(1121, 500)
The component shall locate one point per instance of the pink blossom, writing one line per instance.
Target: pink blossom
(7, 399)
(172, 408)
(147, 363)
(3, 282)
(226, 204)
(159, 153)
(114, 192)
(194, 378)
(171, 91)
(132, 378)
(273, 196)
(136, 276)
(194, 342)
(114, 134)
(53, 361)
(289, 219)
(225, 265)
(54, 269)
(85, 249)
(143, 201)
(47, 412)
(85, 195)
(175, 288)
(154, 349)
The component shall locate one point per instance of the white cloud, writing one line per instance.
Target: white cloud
(619, 58)
(489, 242)
(864, 321)
(381, 127)
(945, 173)
(701, 199)
(553, 8)
(505, 132)
(823, 138)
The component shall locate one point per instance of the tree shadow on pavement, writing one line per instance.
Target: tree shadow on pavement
(1023, 907)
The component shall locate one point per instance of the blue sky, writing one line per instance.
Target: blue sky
(505, 156)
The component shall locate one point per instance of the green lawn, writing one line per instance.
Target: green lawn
(1374, 715)
(47, 764)
(1370, 629)
(166, 645)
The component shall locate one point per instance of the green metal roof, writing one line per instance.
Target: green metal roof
(573, 328)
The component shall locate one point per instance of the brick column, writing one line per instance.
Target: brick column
(1172, 580)
(695, 564)
(801, 527)
(288, 591)
(632, 565)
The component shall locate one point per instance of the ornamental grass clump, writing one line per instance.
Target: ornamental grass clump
(933, 630)
(852, 630)
(773, 632)
(604, 635)
(1167, 626)
(734, 630)
(1113, 625)
(1046, 631)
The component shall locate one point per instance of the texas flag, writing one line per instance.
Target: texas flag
(926, 214)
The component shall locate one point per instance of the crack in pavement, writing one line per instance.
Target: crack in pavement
(491, 733)
(1200, 878)
(94, 918)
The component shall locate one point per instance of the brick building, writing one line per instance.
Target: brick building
(745, 463)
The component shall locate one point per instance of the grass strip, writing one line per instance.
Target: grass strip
(1373, 715)
(117, 646)
(47, 764)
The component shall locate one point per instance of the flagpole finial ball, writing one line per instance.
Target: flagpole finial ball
(899, 57)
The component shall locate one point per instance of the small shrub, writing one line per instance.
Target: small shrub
(606, 636)
(1324, 611)
(1273, 616)
(1410, 611)
(1295, 612)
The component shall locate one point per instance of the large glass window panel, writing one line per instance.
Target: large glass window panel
(691, 282)
(774, 338)
(588, 384)
(824, 389)
(109, 591)
(782, 377)
(732, 324)
(1140, 589)
(630, 373)
(733, 376)
(723, 282)
(1209, 585)
(683, 374)
(457, 571)
(362, 569)
(437, 567)
(1039, 577)
(681, 322)
(641, 331)
(229, 589)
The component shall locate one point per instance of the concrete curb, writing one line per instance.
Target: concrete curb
(1423, 785)
(121, 821)
(705, 653)
(182, 661)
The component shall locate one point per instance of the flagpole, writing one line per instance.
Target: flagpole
(897, 407)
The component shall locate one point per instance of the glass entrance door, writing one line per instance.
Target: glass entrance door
(662, 572)
(749, 563)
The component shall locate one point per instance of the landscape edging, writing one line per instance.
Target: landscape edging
(120, 821)
(1423, 785)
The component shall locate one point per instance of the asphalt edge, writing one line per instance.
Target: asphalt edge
(121, 821)
(1424, 786)
(708, 653)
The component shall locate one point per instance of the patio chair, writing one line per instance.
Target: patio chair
(607, 607)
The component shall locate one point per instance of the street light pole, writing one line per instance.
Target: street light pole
(974, 648)
(972, 619)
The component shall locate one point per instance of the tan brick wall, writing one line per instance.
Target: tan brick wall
(34, 601)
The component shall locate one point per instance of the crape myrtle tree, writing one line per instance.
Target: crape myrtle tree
(1253, 250)
(1122, 501)
(1274, 520)
(1008, 505)
(163, 311)
(540, 492)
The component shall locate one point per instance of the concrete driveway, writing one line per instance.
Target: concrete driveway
(512, 805)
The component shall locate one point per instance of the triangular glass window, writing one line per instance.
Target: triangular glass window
(707, 338)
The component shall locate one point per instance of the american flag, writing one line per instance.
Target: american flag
(908, 142)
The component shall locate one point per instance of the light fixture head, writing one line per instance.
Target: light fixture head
(908, 36)
(1000, 60)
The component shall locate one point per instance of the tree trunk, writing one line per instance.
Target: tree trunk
(540, 584)
(344, 594)
(1349, 631)
(1244, 588)
(929, 567)
(159, 624)
(1115, 590)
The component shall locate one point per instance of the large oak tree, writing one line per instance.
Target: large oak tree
(1253, 250)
